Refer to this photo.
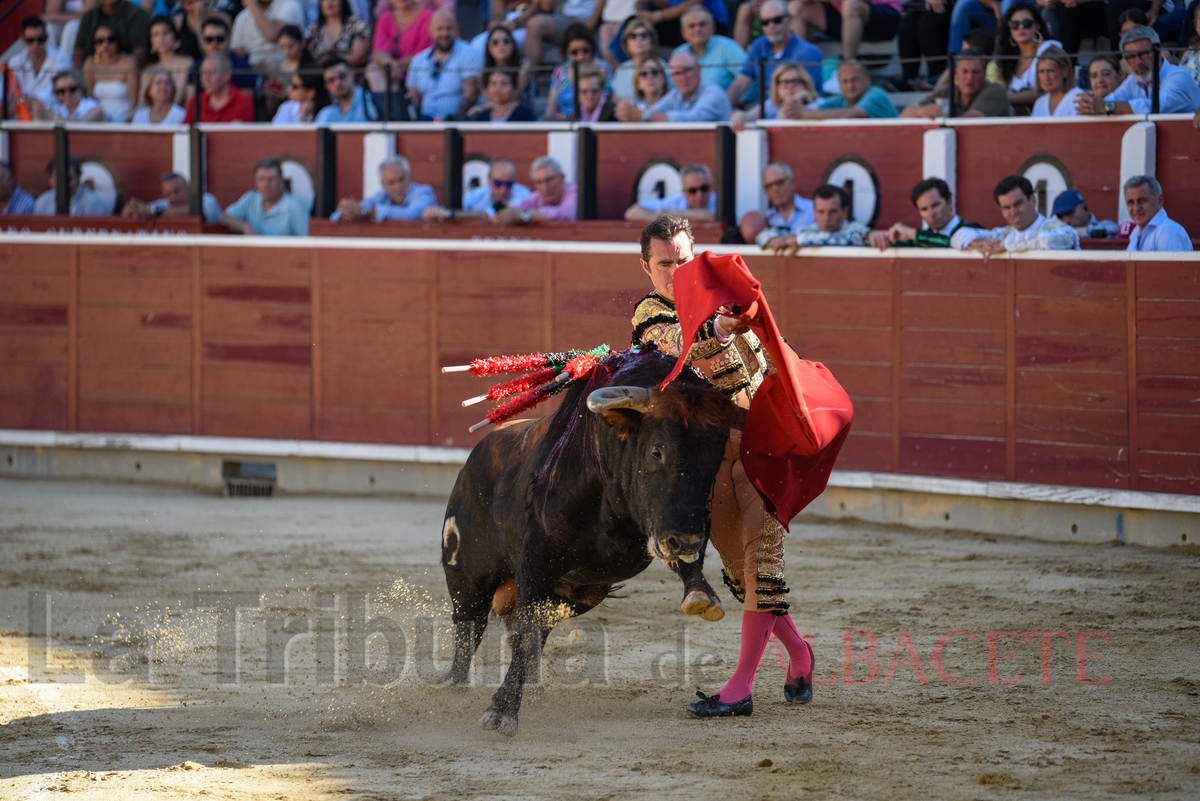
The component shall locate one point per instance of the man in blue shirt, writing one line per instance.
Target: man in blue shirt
(350, 102)
(1155, 231)
(720, 57)
(778, 45)
(1177, 93)
(13, 199)
(692, 100)
(786, 208)
(84, 202)
(442, 80)
(399, 199)
(858, 98)
(697, 201)
(482, 202)
(267, 210)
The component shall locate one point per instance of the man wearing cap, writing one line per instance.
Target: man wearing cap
(1071, 208)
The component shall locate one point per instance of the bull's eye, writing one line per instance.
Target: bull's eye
(656, 452)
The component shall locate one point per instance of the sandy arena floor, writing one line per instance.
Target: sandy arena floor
(134, 692)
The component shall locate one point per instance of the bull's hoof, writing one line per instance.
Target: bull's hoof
(698, 602)
(495, 721)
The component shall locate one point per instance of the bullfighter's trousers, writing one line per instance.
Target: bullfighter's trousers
(748, 538)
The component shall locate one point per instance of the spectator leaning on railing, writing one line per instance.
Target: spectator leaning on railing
(174, 201)
(442, 80)
(482, 202)
(974, 95)
(934, 204)
(786, 208)
(1027, 229)
(1178, 93)
(36, 65)
(84, 202)
(268, 209)
(858, 98)
(220, 101)
(831, 207)
(399, 199)
(778, 45)
(13, 199)
(553, 199)
(697, 201)
(1155, 231)
(127, 20)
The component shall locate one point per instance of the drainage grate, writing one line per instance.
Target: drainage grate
(248, 479)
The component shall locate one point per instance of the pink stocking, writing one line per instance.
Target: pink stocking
(756, 630)
(799, 654)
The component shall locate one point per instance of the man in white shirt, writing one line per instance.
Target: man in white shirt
(175, 200)
(697, 201)
(938, 221)
(1155, 231)
(786, 210)
(256, 30)
(482, 202)
(84, 202)
(1027, 229)
(36, 65)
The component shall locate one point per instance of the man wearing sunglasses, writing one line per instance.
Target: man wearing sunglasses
(778, 45)
(1177, 93)
(697, 201)
(125, 19)
(36, 65)
(482, 202)
(214, 38)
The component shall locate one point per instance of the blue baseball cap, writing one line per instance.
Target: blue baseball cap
(1066, 202)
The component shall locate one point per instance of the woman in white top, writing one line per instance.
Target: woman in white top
(306, 96)
(1019, 43)
(70, 102)
(159, 97)
(639, 40)
(111, 76)
(1056, 77)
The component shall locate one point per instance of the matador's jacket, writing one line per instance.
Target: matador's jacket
(752, 552)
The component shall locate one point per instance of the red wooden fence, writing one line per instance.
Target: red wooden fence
(1082, 369)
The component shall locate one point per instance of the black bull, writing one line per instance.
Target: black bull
(571, 504)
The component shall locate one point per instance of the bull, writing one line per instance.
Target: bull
(547, 516)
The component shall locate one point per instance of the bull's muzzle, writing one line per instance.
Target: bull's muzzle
(674, 545)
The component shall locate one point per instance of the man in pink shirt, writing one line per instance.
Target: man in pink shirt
(852, 21)
(553, 198)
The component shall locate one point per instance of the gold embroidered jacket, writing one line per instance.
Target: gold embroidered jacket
(741, 363)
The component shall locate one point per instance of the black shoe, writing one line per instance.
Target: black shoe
(800, 690)
(711, 706)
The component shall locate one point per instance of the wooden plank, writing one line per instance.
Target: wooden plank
(1081, 426)
(864, 380)
(1071, 316)
(835, 308)
(26, 411)
(380, 297)
(252, 290)
(375, 266)
(140, 417)
(941, 276)
(226, 383)
(36, 380)
(1168, 356)
(135, 261)
(1010, 371)
(1164, 318)
(171, 292)
(588, 331)
(1073, 465)
(1169, 432)
(375, 425)
(1169, 472)
(515, 335)
(1175, 394)
(952, 312)
(1077, 351)
(380, 329)
(434, 346)
(953, 383)
(1092, 390)
(256, 419)
(32, 348)
(375, 391)
(37, 260)
(569, 302)
(495, 302)
(73, 329)
(173, 384)
(18, 289)
(316, 374)
(897, 320)
(952, 456)
(134, 322)
(866, 451)
(294, 355)
(872, 414)
(231, 321)
(1102, 279)
(370, 359)
(1131, 372)
(1178, 157)
(830, 274)
(197, 343)
(133, 352)
(477, 268)
(982, 348)
(605, 271)
(547, 301)
(227, 265)
(1166, 281)
(50, 317)
(942, 418)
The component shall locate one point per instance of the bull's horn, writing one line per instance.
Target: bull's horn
(606, 399)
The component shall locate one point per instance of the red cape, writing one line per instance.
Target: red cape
(799, 417)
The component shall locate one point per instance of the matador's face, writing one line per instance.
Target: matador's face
(664, 258)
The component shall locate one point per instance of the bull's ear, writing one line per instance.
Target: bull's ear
(623, 421)
(621, 407)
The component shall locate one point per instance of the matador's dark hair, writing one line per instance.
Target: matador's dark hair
(666, 228)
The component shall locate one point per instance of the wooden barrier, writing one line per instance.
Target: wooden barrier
(1078, 369)
(583, 231)
(162, 226)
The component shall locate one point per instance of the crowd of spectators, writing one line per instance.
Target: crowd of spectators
(291, 61)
